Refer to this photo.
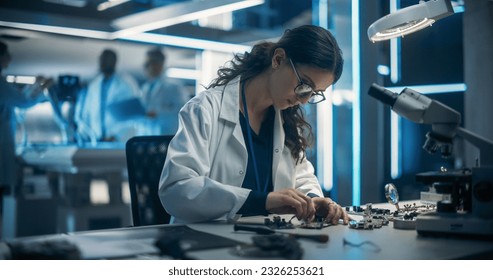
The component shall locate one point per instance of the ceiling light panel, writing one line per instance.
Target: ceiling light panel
(176, 13)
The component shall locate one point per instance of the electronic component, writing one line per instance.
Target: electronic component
(370, 220)
(358, 210)
(278, 223)
(318, 223)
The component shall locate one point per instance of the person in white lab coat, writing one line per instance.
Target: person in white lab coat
(104, 90)
(240, 146)
(162, 97)
(10, 98)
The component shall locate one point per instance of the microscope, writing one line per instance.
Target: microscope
(468, 208)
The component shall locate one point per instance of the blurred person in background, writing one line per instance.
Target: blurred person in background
(95, 111)
(12, 97)
(107, 88)
(161, 96)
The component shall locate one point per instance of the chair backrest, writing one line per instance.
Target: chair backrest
(145, 160)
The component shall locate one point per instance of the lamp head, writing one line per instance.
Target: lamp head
(409, 19)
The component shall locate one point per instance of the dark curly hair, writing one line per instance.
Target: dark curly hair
(309, 45)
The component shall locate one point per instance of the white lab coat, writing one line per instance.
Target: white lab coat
(122, 87)
(207, 160)
(11, 97)
(165, 97)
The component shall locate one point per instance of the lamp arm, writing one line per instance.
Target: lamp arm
(484, 145)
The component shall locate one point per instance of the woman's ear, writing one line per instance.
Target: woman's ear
(278, 57)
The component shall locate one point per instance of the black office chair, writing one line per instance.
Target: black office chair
(145, 160)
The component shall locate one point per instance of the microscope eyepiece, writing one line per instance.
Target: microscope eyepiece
(384, 95)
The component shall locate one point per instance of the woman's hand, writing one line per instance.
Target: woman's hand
(330, 210)
(290, 201)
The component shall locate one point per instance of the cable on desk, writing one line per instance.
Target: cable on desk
(366, 242)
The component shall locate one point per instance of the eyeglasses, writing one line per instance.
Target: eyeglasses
(304, 90)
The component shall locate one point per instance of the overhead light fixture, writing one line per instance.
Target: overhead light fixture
(184, 42)
(72, 3)
(177, 41)
(176, 13)
(192, 10)
(110, 4)
(80, 32)
(409, 19)
(29, 80)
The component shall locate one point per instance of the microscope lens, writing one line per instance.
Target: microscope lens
(446, 150)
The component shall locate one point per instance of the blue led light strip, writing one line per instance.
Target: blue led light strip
(325, 157)
(395, 77)
(355, 35)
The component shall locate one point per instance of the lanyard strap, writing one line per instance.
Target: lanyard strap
(250, 144)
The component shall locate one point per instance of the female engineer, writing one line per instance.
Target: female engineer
(240, 148)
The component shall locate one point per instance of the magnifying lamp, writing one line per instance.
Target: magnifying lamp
(409, 19)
